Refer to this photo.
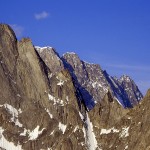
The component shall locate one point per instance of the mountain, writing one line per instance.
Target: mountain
(48, 102)
(92, 82)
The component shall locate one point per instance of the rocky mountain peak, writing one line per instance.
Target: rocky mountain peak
(148, 93)
(125, 78)
(8, 48)
(7, 30)
(63, 103)
(71, 54)
(72, 59)
(96, 82)
(51, 58)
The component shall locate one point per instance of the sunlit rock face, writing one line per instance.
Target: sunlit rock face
(48, 102)
(37, 111)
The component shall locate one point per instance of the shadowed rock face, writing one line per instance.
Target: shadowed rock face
(44, 99)
(125, 90)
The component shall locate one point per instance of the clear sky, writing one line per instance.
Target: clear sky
(112, 33)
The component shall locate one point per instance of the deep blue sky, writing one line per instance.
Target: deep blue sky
(112, 33)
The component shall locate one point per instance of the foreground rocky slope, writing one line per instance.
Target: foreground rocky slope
(44, 101)
(130, 132)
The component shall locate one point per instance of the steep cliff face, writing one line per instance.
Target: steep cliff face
(125, 90)
(51, 58)
(36, 112)
(44, 101)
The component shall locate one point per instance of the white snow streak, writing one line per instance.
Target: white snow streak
(52, 132)
(51, 116)
(126, 147)
(81, 116)
(40, 49)
(90, 136)
(107, 131)
(76, 128)
(118, 98)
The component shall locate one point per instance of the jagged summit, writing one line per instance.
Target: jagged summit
(147, 94)
(6, 29)
(70, 53)
(125, 78)
(51, 58)
(97, 82)
(38, 48)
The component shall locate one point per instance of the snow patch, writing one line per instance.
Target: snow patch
(52, 98)
(5, 144)
(119, 99)
(126, 147)
(14, 112)
(62, 127)
(60, 83)
(70, 53)
(107, 131)
(35, 133)
(56, 101)
(40, 49)
(125, 132)
(96, 84)
(52, 132)
(19, 110)
(18, 95)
